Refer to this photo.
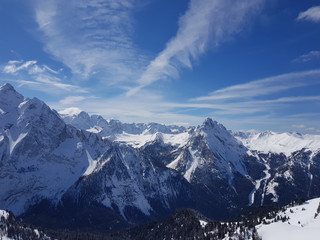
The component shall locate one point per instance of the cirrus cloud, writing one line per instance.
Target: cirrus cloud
(37, 76)
(311, 14)
(312, 55)
(92, 38)
(205, 22)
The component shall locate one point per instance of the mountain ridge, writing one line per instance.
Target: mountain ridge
(135, 173)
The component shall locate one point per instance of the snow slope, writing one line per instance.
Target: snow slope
(303, 223)
(139, 140)
(286, 143)
(210, 149)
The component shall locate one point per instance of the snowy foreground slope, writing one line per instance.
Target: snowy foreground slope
(301, 222)
(56, 169)
(295, 221)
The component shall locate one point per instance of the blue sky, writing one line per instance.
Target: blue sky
(250, 64)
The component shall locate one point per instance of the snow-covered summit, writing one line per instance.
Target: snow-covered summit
(39, 155)
(210, 150)
(9, 98)
(76, 118)
(286, 143)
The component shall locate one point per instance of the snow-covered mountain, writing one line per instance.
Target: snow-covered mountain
(44, 159)
(40, 156)
(265, 167)
(289, 161)
(109, 128)
(210, 145)
(72, 164)
(273, 142)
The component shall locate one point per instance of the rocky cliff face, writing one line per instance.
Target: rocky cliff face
(40, 155)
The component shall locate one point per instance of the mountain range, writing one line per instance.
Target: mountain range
(80, 171)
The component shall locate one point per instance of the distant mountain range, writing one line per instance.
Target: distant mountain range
(73, 170)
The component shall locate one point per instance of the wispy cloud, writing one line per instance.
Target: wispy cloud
(312, 55)
(92, 38)
(299, 126)
(264, 86)
(266, 102)
(312, 14)
(145, 107)
(150, 107)
(71, 100)
(264, 106)
(36, 76)
(205, 22)
(16, 66)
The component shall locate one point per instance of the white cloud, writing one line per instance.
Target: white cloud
(265, 86)
(312, 55)
(39, 77)
(299, 126)
(70, 100)
(312, 14)
(16, 66)
(49, 85)
(150, 107)
(250, 111)
(206, 21)
(32, 67)
(145, 107)
(266, 102)
(91, 37)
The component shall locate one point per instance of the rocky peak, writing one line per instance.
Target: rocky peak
(9, 97)
(7, 87)
(210, 124)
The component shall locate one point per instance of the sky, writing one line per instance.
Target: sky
(249, 64)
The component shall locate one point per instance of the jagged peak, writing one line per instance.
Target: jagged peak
(266, 133)
(211, 124)
(158, 137)
(9, 97)
(7, 87)
(98, 117)
(31, 102)
(113, 121)
(209, 120)
(35, 107)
